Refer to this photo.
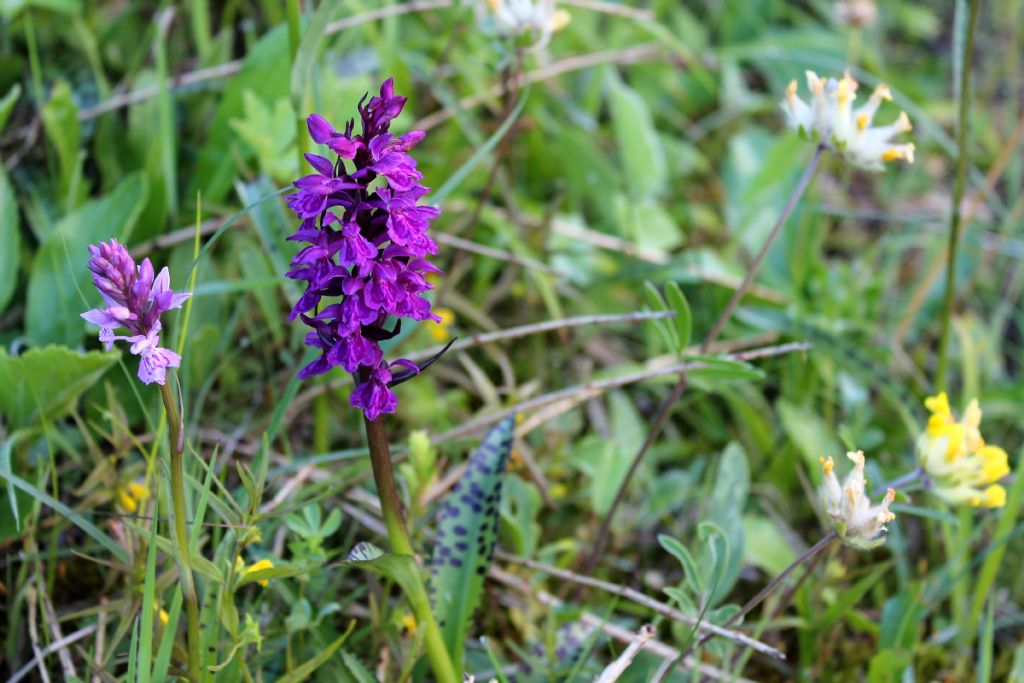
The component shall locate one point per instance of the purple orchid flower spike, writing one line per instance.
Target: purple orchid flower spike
(135, 299)
(367, 238)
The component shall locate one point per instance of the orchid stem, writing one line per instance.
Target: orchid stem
(394, 522)
(183, 555)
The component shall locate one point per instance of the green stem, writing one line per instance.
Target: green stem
(391, 508)
(963, 125)
(183, 555)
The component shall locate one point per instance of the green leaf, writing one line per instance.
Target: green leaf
(849, 598)
(59, 287)
(657, 304)
(10, 236)
(401, 569)
(765, 546)
(60, 120)
(679, 551)
(7, 104)
(42, 384)
(715, 372)
(642, 154)
(684, 318)
(728, 499)
(467, 528)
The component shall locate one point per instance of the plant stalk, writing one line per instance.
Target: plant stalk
(394, 522)
(665, 408)
(183, 555)
(963, 125)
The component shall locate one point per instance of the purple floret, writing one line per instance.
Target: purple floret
(367, 238)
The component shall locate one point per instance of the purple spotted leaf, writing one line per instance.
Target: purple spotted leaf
(467, 529)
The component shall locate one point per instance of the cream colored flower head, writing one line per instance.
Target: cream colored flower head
(858, 523)
(961, 468)
(536, 18)
(831, 118)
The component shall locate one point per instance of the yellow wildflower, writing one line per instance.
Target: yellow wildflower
(242, 570)
(131, 496)
(409, 624)
(441, 332)
(961, 468)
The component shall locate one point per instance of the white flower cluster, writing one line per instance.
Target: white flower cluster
(831, 118)
(538, 19)
(858, 523)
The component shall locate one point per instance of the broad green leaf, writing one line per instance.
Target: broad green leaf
(59, 287)
(42, 384)
(808, 433)
(467, 527)
(275, 572)
(684, 318)
(642, 155)
(10, 238)
(764, 545)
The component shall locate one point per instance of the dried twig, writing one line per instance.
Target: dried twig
(55, 646)
(648, 602)
(583, 392)
(613, 671)
(617, 632)
(634, 53)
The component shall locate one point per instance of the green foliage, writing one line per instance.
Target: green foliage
(42, 385)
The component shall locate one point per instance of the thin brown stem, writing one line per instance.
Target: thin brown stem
(665, 408)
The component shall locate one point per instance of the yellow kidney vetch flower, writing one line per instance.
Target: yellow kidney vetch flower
(961, 468)
(242, 570)
(831, 118)
(859, 523)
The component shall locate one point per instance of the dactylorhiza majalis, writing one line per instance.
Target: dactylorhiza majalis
(134, 298)
(368, 243)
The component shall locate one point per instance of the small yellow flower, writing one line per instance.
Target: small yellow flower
(162, 614)
(961, 468)
(242, 570)
(131, 496)
(858, 523)
(441, 332)
(409, 623)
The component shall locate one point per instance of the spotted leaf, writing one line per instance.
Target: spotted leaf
(468, 524)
